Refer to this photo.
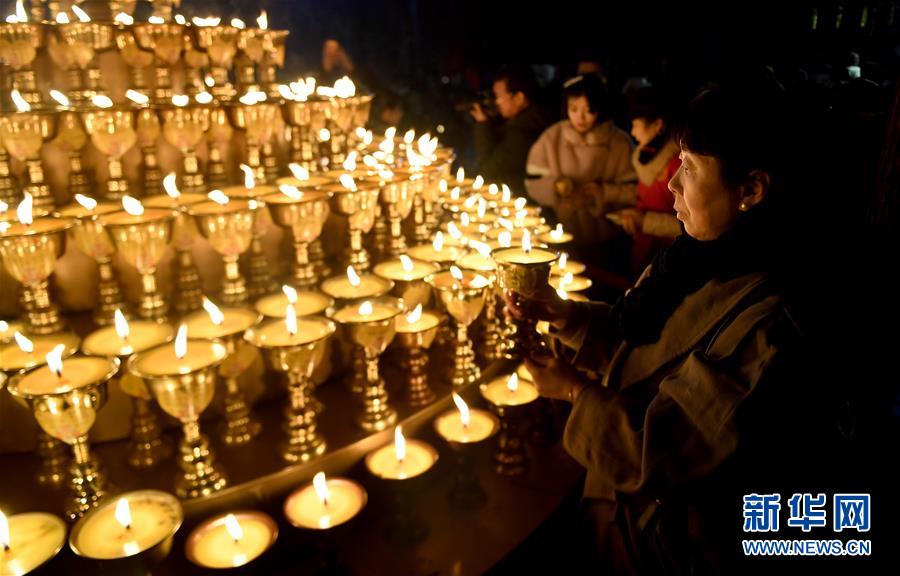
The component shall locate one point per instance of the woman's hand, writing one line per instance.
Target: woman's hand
(632, 220)
(555, 378)
(551, 308)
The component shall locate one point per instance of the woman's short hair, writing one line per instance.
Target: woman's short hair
(592, 88)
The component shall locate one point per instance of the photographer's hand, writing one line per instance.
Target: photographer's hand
(478, 113)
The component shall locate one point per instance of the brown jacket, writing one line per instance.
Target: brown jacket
(665, 414)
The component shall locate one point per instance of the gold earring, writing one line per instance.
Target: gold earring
(743, 207)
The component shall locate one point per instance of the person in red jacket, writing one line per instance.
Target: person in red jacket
(651, 222)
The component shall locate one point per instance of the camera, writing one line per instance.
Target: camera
(485, 98)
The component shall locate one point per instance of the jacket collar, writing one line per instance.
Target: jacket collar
(699, 314)
(651, 171)
(599, 135)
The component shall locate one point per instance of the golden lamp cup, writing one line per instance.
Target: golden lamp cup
(23, 134)
(74, 47)
(462, 292)
(304, 213)
(229, 229)
(91, 238)
(296, 347)
(113, 131)
(142, 240)
(167, 42)
(258, 120)
(357, 203)
(372, 326)
(65, 399)
(184, 125)
(19, 43)
(415, 334)
(220, 45)
(30, 252)
(182, 379)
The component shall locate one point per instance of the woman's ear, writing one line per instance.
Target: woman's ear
(755, 189)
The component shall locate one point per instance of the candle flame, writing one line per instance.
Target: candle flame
(344, 87)
(478, 183)
(367, 139)
(24, 211)
(263, 20)
(526, 241)
(456, 273)
(156, 20)
(123, 18)
(454, 231)
(557, 232)
(454, 194)
(493, 189)
(23, 342)
(471, 201)
(122, 329)
(234, 528)
(566, 280)
(209, 81)
(438, 243)
(4, 326)
(370, 161)
(123, 513)
(238, 23)
(505, 239)
(504, 223)
(324, 135)
(180, 100)
(460, 175)
(61, 18)
(406, 262)
(181, 342)
(290, 293)
(348, 182)
(482, 208)
(170, 186)
(390, 133)
(360, 132)
(353, 277)
(409, 137)
(463, 409)
(218, 197)
(101, 101)
(321, 487)
(507, 194)
(291, 192)
(132, 205)
(208, 21)
(249, 180)
(82, 15)
(21, 104)
(299, 172)
(365, 309)
(415, 315)
(399, 444)
(54, 359)
(137, 97)
(3, 206)
(204, 97)
(464, 219)
(214, 313)
(563, 295)
(350, 163)
(482, 249)
(290, 320)
(179, 19)
(513, 383)
(61, 98)
(563, 260)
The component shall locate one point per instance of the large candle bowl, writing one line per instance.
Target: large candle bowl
(29, 253)
(527, 273)
(229, 229)
(183, 128)
(296, 354)
(184, 394)
(19, 42)
(142, 241)
(373, 332)
(166, 41)
(113, 132)
(188, 290)
(23, 135)
(220, 44)
(463, 298)
(74, 48)
(91, 238)
(304, 215)
(66, 407)
(259, 122)
(358, 206)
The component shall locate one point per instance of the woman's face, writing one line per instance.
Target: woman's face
(644, 131)
(580, 114)
(707, 207)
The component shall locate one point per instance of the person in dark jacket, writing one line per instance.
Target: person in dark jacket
(502, 149)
